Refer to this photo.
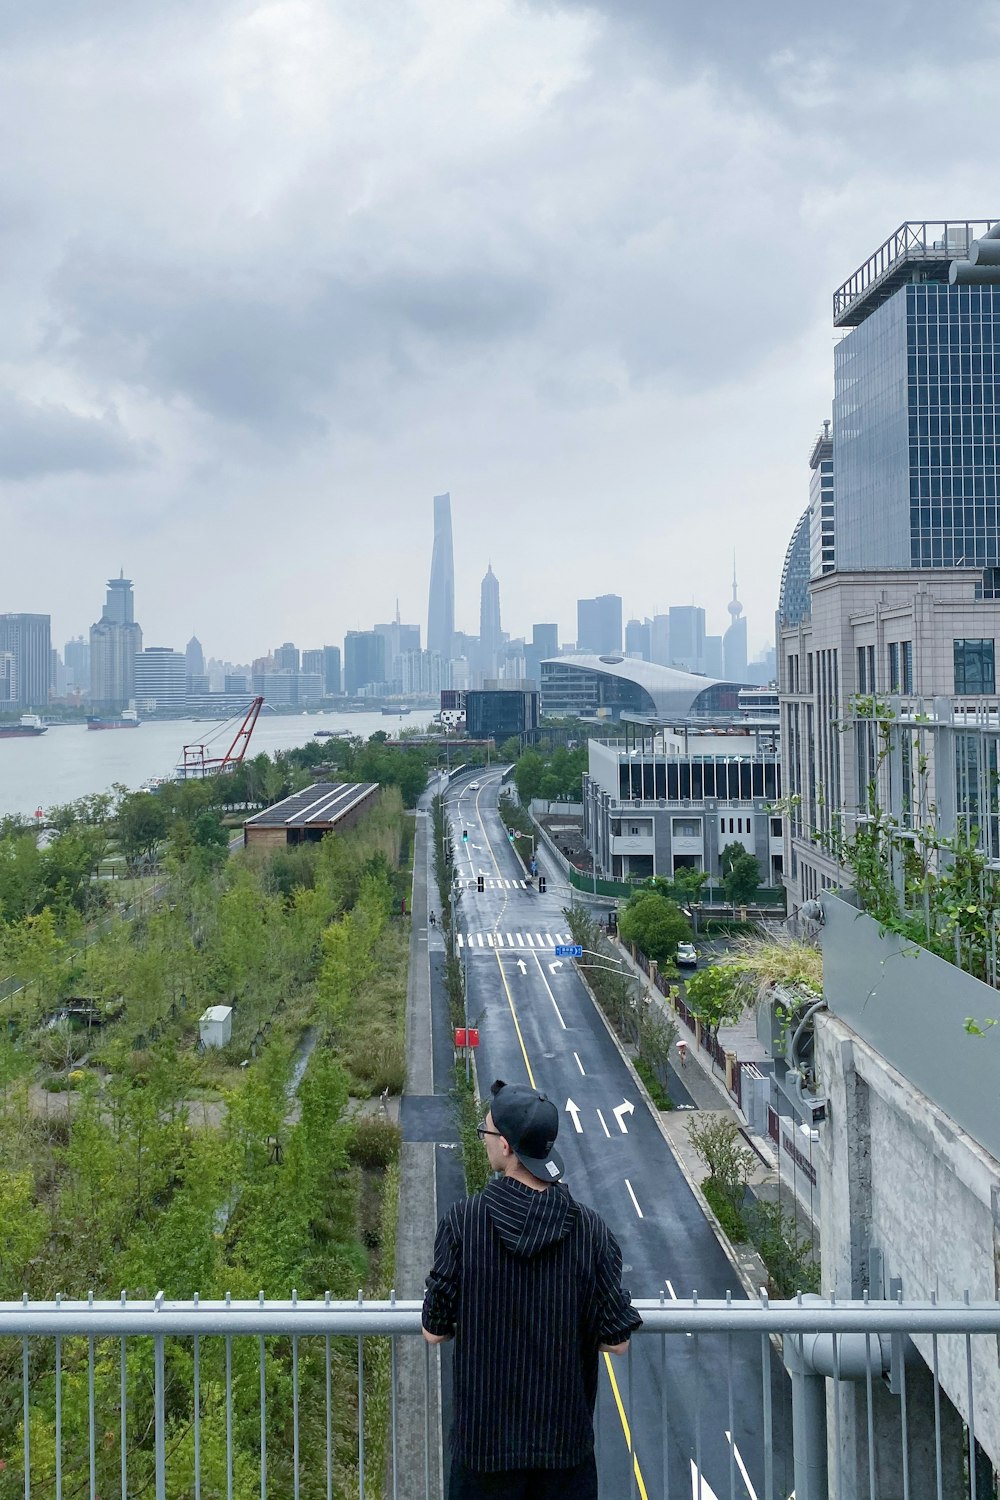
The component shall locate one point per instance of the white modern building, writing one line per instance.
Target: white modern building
(661, 799)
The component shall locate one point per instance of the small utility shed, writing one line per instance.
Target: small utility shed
(306, 816)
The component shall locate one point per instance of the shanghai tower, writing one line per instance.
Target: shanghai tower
(441, 600)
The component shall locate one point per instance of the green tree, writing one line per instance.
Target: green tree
(713, 995)
(654, 924)
(740, 874)
(142, 822)
(528, 775)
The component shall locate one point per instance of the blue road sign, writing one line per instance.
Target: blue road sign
(569, 950)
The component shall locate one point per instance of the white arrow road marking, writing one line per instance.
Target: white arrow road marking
(673, 1297)
(522, 966)
(579, 1063)
(742, 1468)
(700, 1487)
(574, 1110)
(548, 991)
(604, 1127)
(635, 1201)
(628, 1108)
(555, 966)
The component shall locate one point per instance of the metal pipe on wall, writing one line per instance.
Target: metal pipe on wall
(962, 273)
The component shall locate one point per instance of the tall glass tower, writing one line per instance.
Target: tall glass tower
(917, 407)
(441, 599)
(490, 633)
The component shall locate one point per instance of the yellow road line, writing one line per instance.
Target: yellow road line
(625, 1427)
(517, 1026)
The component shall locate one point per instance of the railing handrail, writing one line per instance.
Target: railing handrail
(160, 1317)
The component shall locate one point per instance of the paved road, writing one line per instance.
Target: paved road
(537, 1023)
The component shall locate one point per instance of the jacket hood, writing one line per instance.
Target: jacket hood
(526, 1220)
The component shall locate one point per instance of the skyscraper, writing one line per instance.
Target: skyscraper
(27, 641)
(734, 642)
(115, 642)
(490, 632)
(687, 637)
(441, 598)
(331, 671)
(917, 405)
(76, 655)
(599, 624)
(638, 639)
(160, 680)
(364, 660)
(822, 501)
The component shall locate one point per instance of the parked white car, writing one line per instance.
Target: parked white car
(687, 954)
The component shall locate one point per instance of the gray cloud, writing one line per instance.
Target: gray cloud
(40, 439)
(250, 352)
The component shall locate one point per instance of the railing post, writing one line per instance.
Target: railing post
(809, 1458)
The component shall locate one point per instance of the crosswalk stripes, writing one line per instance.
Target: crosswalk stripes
(492, 884)
(532, 940)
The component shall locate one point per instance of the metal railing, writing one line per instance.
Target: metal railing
(160, 1397)
(937, 241)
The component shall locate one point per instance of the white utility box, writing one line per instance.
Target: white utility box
(216, 1026)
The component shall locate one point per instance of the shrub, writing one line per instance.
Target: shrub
(775, 1236)
(654, 1087)
(717, 1141)
(724, 1209)
(374, 1142)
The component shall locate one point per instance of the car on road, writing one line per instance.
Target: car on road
(473, 786)
(687, 954)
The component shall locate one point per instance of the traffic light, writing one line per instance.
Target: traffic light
(465, 835)
(480, 883)
(510, 835)
(541, 885)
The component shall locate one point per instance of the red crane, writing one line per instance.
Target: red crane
(198, 761)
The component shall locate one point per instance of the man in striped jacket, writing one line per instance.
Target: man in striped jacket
(528, 1283)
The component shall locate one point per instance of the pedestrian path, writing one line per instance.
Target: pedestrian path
(512, 939)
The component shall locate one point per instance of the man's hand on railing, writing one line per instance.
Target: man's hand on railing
(436, 1338)
(621, 1348)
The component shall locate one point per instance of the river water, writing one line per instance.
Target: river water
(70, 760)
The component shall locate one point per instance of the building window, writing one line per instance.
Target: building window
(776, 829)
(894, 685)
(975, 671)
(686, 828)
(906, 647)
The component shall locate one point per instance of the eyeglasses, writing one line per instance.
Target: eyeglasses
(481, 1131)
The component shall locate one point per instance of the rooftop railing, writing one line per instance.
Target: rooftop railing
(936, 242)
(161, 1397)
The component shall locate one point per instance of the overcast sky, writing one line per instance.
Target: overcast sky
(271, 275)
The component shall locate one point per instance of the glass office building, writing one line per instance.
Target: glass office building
(917, 398)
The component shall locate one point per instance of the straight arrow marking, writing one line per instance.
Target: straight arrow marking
(628, 1108)
(573, 1110)
(522, 966)
(742, 1467)
(700, 1487)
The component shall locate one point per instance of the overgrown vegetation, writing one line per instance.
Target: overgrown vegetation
(774, 1234)
(555, 775)
(935, 889)
(637, 1022)
(170, 1169)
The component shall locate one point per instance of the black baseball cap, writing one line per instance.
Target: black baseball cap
(530, 1123)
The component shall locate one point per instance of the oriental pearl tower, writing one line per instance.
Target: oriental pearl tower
(734, 642)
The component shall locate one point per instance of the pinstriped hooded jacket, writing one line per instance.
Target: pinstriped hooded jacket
(529, 1283)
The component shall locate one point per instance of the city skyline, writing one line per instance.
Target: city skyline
(187, 375)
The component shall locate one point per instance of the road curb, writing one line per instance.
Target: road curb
(744, 1273)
